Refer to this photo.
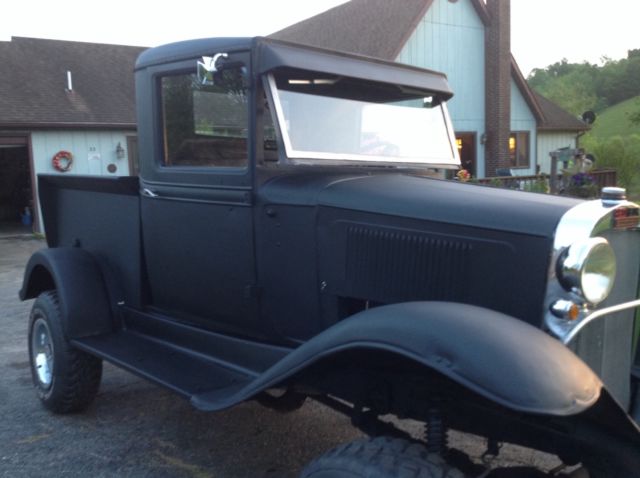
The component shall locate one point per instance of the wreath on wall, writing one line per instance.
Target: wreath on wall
(62, 161)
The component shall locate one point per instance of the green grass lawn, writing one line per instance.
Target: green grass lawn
(614, 121)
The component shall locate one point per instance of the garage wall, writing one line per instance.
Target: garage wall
(93, 151)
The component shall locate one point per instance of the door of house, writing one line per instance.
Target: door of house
(467, 149)
(16, 189)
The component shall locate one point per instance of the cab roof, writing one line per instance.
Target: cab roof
(270, 54)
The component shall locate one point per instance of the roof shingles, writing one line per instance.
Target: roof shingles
(33, 83)
(376, 28)
(557, 119)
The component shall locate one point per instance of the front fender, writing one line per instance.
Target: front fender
(497, 356)
(78, 281)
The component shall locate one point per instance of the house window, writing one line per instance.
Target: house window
(205, 125)
(519, 149)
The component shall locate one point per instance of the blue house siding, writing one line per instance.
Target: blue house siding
(450, 38)
(522, 119)
(93, 151)
(549, 141)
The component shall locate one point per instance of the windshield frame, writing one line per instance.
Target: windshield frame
(318, 157)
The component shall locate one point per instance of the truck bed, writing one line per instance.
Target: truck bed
(102, 216)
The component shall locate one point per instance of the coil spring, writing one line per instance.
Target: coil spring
(436, 431)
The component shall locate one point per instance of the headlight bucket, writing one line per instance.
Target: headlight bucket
(588, 267)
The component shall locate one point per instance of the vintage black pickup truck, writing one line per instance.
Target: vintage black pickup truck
(288, 238)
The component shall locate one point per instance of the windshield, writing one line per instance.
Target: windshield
(326, 118)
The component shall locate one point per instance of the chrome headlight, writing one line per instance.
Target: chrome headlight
(588, 267)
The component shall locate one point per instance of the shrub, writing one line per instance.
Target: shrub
(621, 154)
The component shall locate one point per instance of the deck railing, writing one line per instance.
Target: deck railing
(563, 185)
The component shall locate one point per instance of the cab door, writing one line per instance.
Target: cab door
(196, 199)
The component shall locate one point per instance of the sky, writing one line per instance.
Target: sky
(542, 31)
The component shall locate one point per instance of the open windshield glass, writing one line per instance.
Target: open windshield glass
(331, 118)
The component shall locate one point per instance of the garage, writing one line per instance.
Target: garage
(61, 99)
(16, 192)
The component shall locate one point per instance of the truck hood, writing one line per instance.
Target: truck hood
(416, 197)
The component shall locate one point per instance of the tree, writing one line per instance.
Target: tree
(581, 86)
(574, 90)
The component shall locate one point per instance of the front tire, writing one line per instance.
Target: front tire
(66, 379)
(381, 457)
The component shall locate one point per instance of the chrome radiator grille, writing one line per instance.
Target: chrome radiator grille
(606, 344)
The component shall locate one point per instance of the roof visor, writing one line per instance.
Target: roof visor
(274, 54)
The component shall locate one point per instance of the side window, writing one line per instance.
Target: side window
(205, 125)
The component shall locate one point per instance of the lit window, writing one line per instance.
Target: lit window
(519, 149)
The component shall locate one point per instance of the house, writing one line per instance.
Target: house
(61, 99)
(500, 123)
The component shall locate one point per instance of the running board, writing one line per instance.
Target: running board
(189, 360)
(183, 371)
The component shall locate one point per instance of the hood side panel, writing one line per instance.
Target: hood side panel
(383, 260)
(417, 197)
(382, 238)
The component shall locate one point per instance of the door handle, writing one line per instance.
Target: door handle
(148, 192)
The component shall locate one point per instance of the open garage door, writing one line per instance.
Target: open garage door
(16, 194)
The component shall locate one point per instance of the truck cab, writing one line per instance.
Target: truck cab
(292, 235)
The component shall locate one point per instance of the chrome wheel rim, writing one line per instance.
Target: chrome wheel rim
(42, 352)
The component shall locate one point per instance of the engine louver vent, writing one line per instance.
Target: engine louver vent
(389, 266)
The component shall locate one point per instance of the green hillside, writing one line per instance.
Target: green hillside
(614, 121)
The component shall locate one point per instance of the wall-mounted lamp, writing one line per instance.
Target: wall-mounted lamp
(119, 151)
(483, 138)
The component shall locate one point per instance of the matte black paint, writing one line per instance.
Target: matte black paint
(401, 195)
(101, 215)
(287, 253)
(200, 260)
(78, 279)
(272, 54)
(509, 362)
(231, 281)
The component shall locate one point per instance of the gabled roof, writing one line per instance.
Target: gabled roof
(526, 91)
(549, 116)
(33, 84)
(557, 119)
(377, 28)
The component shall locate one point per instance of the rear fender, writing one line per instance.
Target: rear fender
(497, 356)
(78, 280)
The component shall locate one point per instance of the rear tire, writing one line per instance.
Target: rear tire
(381, 457)
(66, 379)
